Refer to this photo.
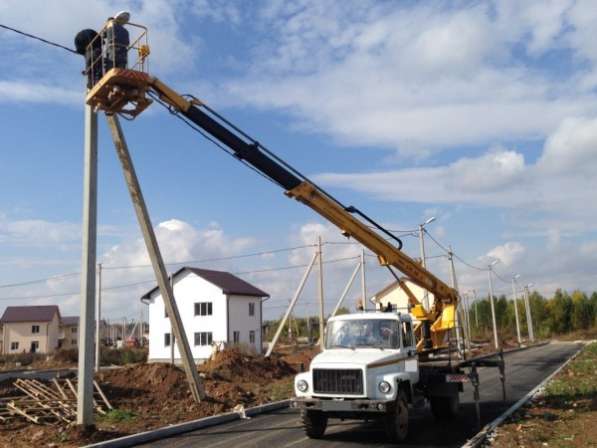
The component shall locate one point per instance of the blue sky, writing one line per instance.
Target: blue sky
(482, 114)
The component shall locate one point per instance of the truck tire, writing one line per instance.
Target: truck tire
(445, 408)
(396, 422)
(315, 423)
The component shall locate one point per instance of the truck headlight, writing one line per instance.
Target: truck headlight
(385, 387)
(302, 386)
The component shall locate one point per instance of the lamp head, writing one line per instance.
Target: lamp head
(429, 221)
(122, 17)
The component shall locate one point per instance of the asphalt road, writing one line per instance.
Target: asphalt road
(524, 370)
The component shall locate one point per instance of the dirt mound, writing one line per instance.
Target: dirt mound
(300, 358)
(232, 363)
(162, 380)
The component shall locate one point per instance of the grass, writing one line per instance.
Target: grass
(578, 380)
(118, 415)
(282, 390)
(564, 415)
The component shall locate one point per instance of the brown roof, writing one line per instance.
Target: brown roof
(70, 320)
(229, 283)
(44, 313)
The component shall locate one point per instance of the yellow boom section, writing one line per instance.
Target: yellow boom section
(441, 316)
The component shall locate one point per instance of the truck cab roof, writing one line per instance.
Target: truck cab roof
(372, 315)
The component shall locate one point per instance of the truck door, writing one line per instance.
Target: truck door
(409, 346)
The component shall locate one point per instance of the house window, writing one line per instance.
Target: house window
(203, 309)
(236, 337)
(34, 346)
(14, 345)
(73, 342)
(251, 309)
(166, 339)
(73, 330)
(252, 336)
(203, 338)
(35, 329)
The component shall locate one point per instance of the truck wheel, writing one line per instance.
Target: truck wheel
(445, 408)
(315, 423)
(396, 422)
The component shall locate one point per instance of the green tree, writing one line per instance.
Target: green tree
(582, 313)
(561, 308)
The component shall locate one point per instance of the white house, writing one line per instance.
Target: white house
(397, 297)
(216, 308)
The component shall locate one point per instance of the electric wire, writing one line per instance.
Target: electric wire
(143, 282)
(205, 260)
(41, 39)
(40, 280)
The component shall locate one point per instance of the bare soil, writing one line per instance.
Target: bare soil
(148, 396)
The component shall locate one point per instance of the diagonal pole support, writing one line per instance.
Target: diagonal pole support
(297, 294)
(346, 289)
(155, 256)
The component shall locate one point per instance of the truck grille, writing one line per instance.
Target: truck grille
(338, 381)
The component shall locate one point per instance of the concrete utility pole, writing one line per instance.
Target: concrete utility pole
(171, 327)
(87, 309)
(455, 286)
(155, 256)
(346, 289)
(476, 309)
(363, 279)
(321, 297)
(527, 305)
(467, 320)
(496, 341)
(297, 294)
(423, 262)
(98, 325)
(515, 299)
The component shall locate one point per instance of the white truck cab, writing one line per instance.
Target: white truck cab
(367, 370)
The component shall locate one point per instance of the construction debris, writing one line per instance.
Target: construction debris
(48, 403)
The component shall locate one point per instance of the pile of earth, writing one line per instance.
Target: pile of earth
(233, 364)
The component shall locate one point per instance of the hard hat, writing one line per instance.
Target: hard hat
(122, 17)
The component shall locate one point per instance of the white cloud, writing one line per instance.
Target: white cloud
(31, 92)
(572, 148)
(559, 184)
(508, 253)
(415, 78)
(37, 232)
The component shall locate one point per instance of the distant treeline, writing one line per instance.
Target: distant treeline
(559, 314)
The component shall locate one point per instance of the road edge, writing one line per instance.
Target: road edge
(180, 428)
(480, 437)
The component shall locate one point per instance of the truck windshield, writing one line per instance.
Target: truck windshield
(378, 333)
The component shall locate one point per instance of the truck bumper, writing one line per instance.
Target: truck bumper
(344, 406)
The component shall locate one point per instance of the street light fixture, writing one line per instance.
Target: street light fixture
(490, 266)
(429, 221)
(422, 248)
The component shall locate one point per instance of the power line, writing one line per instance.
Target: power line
(205, 260)
(41, 39)
(41, 280)
(143, 282)
(448, 251)
(468, 264)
